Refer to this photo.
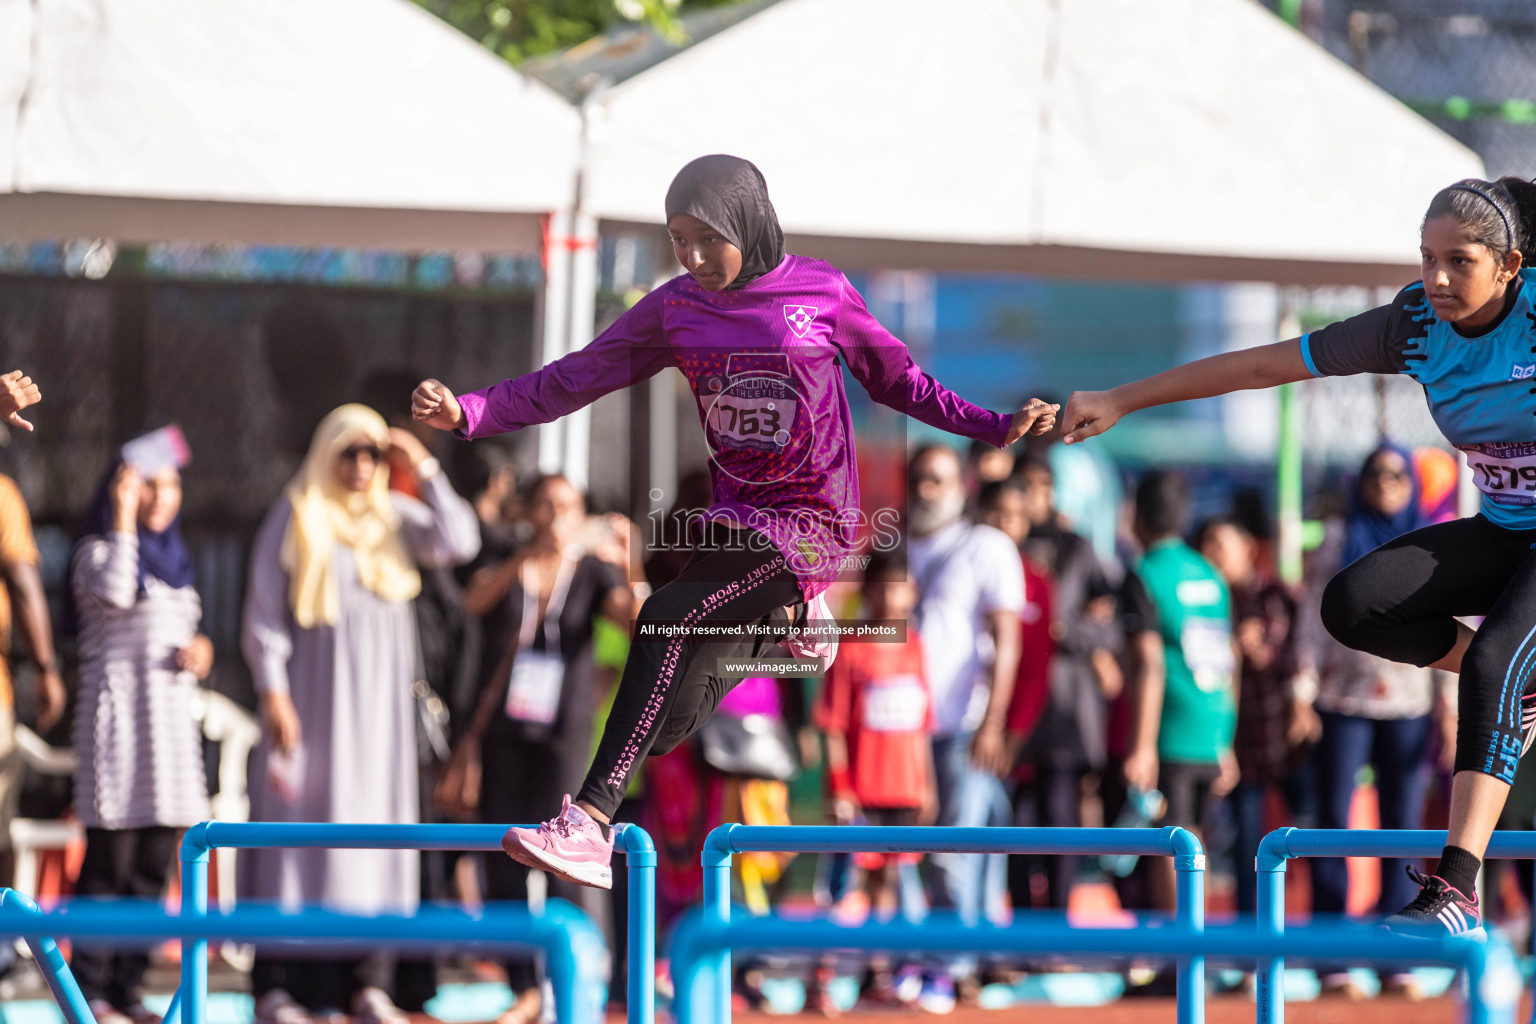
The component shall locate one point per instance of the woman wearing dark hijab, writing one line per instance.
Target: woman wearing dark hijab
(1373, 711)
(139, 777)
(761, 337)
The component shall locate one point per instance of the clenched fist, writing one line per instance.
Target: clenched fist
(433, 404)
(1035, 418)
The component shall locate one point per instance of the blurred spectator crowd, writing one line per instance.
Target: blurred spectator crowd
(439, 641)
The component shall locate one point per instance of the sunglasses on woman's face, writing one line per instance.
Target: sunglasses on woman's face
(357, 451)
(1387, 474)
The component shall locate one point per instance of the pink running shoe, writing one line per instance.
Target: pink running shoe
(569, 846)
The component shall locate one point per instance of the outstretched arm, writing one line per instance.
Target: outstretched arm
(1266, 366)
(881, 363)
(18, 573)
(632, 350)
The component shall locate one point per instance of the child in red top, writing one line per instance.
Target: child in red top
(876, 710)
(1032, 685)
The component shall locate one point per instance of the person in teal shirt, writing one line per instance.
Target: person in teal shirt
(1185, 700)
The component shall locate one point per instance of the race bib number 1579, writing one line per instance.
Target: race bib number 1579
(1506, 473)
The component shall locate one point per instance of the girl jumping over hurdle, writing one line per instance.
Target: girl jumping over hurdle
(761, 337)
(1466, 331)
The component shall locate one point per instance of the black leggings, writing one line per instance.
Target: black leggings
(120, 862)
(521, 779)
(1398, 603)
(670, 687)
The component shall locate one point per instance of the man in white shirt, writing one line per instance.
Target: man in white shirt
(970, 582)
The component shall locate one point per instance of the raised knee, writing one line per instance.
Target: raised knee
(670, 736)
(653, 611)
(1346, 610)
(664, 745)
(1484, 659)
(648, 608)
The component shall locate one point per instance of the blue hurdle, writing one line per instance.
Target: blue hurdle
(1285, 844)
(1183, 846)
(55, 970)
(631, 840)
(1493, 976)
(573, 947)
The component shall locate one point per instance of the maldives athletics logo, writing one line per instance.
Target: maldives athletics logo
(800, 318)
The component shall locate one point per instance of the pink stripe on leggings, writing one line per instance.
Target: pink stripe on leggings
(663, 685)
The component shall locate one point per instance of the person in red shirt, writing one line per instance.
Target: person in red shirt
(1001, 504)
(876, 711)
(1041, 795)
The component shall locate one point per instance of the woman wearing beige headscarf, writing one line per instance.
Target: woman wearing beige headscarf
(331, 641)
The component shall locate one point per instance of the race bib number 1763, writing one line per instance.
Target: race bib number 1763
(757, 413)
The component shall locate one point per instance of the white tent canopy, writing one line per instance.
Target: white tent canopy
(300, 122)
(1187, 139)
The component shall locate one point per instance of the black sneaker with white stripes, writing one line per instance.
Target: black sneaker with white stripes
(1439, 909)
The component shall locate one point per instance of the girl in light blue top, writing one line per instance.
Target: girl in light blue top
(1466, 331)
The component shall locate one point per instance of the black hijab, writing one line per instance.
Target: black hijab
(163, 555)
(730, 195)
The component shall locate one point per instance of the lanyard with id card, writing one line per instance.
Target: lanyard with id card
(538, 677)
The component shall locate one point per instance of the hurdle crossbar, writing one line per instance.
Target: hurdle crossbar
(1286, 844)
(1493, 975)
(574, 951)
(631, 840)
(1180, 844)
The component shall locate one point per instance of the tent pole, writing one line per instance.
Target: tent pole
(663, 444)
(582, 326)
(580, 299)
(130, 314)
(1288, 473)
(556, 306)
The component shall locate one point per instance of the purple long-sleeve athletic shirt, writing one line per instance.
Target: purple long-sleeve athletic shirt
(763, 362)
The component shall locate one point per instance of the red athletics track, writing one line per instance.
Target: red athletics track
(1218, 1010)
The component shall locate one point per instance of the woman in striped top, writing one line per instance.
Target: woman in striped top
(140, 772)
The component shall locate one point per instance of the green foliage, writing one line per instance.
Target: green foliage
(518, 29)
